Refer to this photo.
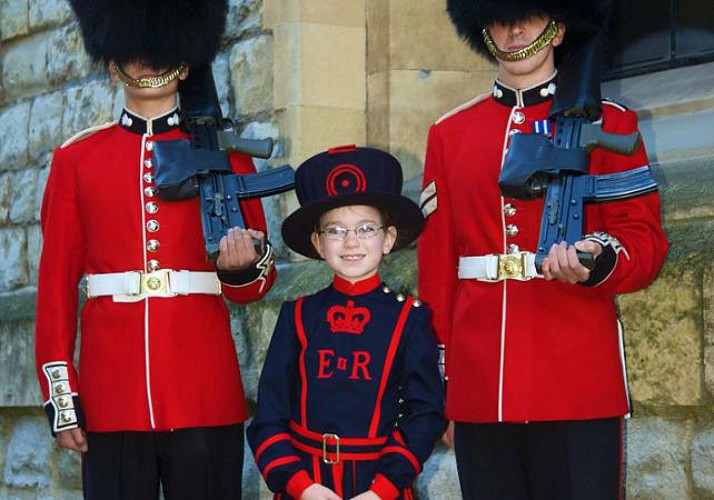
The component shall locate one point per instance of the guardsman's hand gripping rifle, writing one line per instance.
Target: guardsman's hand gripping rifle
(200, 166)
(556, 168)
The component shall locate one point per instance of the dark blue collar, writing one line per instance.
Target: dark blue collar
(137, 124)
(544, 91)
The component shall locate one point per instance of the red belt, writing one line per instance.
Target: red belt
(332, 447)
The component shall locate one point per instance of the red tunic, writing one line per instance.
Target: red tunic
(155, 364)
(526, 350)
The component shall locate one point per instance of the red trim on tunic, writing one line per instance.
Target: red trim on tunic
(278, 462)
(278, 437)
(317, 452)
(337, 474)
(388, 364)
(316, 469)
(406, 453)
(384, 488)
(399, 438)
(303, 369)
(298, 483)
(357, 288)
(344, 441)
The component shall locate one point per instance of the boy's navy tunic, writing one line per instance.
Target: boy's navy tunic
(354, 363)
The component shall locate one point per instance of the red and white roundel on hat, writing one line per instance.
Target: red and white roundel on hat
(345, 179)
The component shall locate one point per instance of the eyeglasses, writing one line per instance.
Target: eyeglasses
(363, 232)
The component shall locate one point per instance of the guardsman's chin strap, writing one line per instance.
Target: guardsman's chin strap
(153, 82)
(546, 36)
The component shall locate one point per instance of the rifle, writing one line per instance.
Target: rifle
(556, 168)
(200, 166)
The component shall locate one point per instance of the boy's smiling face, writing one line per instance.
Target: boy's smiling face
(354, 258)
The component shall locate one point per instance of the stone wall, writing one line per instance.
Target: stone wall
(669, 327)
(40, 54)
(318, 73)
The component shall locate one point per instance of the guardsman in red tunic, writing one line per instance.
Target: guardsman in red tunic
(157, 396)
(537, 385)
(350, 400)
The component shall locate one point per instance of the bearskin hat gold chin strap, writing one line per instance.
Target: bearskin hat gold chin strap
(546, 36)
(153, 82)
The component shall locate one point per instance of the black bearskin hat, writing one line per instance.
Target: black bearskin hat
(582, 18)
(162, 33)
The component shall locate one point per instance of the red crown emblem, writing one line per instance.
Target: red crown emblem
(349, 319)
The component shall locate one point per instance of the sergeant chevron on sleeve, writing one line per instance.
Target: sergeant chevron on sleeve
(534, 352)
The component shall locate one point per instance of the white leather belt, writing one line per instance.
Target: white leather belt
(496, 267)
(132, 286)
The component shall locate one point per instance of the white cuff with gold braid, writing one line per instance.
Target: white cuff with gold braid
(132, 286)
(64, 416)
(496, 267)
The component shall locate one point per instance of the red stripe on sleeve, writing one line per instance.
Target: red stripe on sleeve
(298, 484)
(278, 462)
(399, 438)
(384, 488)
(406, 453)
(274, 439)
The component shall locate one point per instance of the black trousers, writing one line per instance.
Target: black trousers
(192, 464)
(569, 460)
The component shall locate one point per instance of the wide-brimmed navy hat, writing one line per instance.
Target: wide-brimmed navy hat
(348, 175)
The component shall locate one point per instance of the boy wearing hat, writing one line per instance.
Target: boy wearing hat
(158, 396)
(350, 399)
(535, 362)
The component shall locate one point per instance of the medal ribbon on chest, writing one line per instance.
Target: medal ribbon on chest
(542, 127)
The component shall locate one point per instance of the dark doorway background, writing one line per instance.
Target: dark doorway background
(654, 35)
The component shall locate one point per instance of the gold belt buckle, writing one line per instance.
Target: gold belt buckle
(155, 283)
(512, 266)
(334, 437)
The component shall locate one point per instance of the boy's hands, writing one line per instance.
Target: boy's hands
(367, 495)
(237, 250)
(448, 436)
(319, 492)
(73, 439)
